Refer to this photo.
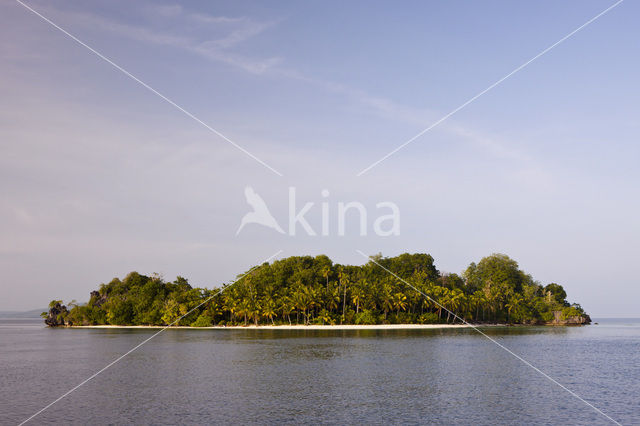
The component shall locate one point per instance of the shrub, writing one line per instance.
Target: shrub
(366, 317)
(349, 316)
(403, 318)
(571, 311)
(429, 318)
(202, 321)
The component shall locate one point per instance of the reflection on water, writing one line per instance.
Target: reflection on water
(320, 376)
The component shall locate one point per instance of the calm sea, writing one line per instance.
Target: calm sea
(304, 376)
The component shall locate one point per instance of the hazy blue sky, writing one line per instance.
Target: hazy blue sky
(101, 177)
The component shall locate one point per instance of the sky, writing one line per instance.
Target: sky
(101, 176)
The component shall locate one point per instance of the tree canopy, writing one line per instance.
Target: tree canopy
(314, 290)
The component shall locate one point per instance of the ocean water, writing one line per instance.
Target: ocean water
(329, 377)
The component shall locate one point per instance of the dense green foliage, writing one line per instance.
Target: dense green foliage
(313, 290)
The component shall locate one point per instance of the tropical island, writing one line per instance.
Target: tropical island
(308, 290)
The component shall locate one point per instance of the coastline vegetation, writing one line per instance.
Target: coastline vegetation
(314, 290)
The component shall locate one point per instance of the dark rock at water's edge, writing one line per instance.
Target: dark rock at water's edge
(58, 314)
(55, 316)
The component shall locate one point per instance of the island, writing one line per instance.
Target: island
(306, 290)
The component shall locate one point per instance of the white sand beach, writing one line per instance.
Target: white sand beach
(294, 327)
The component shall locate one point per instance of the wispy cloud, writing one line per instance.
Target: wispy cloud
(211, 37)
(391, 110)
(217, 37)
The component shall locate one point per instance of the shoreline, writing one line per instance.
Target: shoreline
(297, 327)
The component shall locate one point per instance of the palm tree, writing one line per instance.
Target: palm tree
(309, 302)
(440, 295)
(477, 300)
(299, 302)
(455, 298)
(325, 273)
(286, 307)
(387, 298)
(344, 282)
(254, 311)
(231, 305)
(268, 308)
(324, 316)
(244, 309)
(356, 297)
(214, 309)
(429, 302)
(400, 302)
(333, 298)
(513, 304)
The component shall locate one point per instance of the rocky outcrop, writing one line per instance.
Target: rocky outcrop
(96, 299)
(559, 319)
(56, 316)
